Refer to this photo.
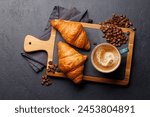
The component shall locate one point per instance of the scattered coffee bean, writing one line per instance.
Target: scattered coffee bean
(42, 83)
(134, 29)
(90, 21)
(55, 66)
(50, 62)
(48, 70)
(94, 43)
(103, 36)
(52, 67)
(46, 81)
(119, 44)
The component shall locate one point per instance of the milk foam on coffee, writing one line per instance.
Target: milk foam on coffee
(106, 57)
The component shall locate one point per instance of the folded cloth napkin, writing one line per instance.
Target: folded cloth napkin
(37, 60)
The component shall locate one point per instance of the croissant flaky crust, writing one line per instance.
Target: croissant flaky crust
(72, 32)
(71, 62)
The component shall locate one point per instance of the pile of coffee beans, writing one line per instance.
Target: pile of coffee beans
(52, 67)
(46, 81)
(112, 29)
(118, 20)
(114, 34)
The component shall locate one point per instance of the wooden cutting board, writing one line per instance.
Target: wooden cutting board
(32, 44)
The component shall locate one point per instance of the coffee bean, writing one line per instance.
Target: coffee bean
(114, 44)
(56, 66)
(94, 43)
(53, 71)
(52, 67)
(119, 44)
(134, 29)
(104, 31)
(103, 36)
(48, 70)
(108, 39)
(118, 39)
(50, 62)
(47, 83)
(43, 77)
(90, 21)
(42, 83)
(45, 80)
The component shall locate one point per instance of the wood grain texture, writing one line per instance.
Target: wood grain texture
(48, 46)
(32, 44)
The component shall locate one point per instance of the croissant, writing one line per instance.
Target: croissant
(70, 62)
(72, 32)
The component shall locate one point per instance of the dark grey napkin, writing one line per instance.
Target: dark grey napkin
(38, 60)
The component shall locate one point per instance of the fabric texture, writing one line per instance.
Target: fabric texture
(38, 60)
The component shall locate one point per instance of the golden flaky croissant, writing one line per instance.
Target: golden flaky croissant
(72, 32)
(70, 62)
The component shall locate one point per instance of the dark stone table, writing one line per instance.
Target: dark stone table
(21, 17)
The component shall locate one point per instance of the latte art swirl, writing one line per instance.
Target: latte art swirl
(106, 58)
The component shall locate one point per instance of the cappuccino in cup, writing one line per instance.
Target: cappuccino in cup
(105, 58)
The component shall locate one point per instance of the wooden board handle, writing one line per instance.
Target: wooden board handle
(32, 44)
